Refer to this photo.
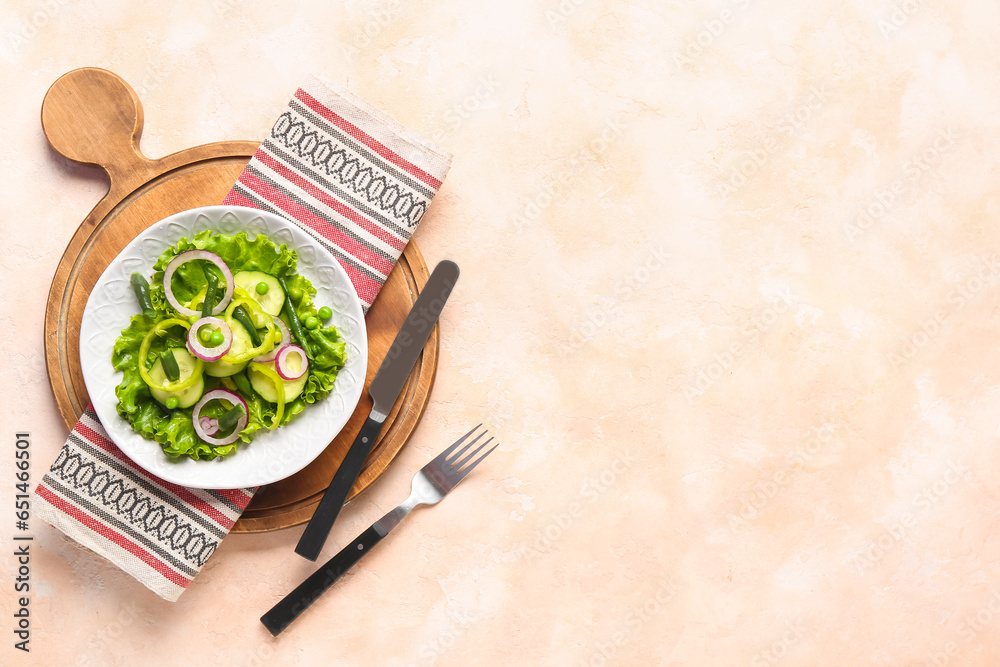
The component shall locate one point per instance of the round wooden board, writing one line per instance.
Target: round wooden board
(93, 116)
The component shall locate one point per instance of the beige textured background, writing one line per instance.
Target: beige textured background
(729, 298)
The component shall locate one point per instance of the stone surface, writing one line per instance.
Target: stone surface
(729, 297)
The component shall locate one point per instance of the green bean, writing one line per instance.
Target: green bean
(294, 324)
(243, 317)
(141, 289)
(230, 418)
(243, 384)
(210, 293)
(170, 368)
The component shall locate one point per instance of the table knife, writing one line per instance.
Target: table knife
(384, 389)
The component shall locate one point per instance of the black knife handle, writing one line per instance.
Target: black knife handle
(292, 605)
(314, 537)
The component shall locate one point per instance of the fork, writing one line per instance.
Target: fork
(429, 486)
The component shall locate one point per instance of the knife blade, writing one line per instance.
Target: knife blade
(384, 389)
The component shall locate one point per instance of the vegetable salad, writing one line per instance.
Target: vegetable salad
(228, 342)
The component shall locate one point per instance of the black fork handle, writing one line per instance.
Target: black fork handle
(292, 605)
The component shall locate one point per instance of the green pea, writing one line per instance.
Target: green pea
(296, 294)
(205, 336)
(172, 402)
(325, 313)
(311, 322)
(262, 287)
(216, 338)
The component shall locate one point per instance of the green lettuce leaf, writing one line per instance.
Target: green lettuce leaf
(328, 358)
(236, 251)
(125, 357)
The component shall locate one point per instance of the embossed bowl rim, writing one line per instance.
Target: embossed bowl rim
(273, 455)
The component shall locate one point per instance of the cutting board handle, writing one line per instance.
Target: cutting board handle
(93, 116)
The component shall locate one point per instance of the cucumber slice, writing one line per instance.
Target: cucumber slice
(241, 343)
(271, 301)
(223, 369)
(185, 364)
(264, 386)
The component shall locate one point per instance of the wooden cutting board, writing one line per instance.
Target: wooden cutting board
(92, 116)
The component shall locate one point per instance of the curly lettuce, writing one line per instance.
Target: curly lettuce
(173, 429)
(239, 254)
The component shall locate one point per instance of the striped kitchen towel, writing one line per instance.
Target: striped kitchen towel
(359, 183)
(355, 179)
(158, 532)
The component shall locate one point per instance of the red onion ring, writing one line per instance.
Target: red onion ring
(199, 350)
(210, 425)
(225, 395)
(185, 257)
(286, 338)
(281, 366)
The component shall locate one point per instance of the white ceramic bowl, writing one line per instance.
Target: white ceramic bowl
(273, 455)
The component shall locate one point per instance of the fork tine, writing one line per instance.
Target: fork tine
(468, 468)
(457, 465)
(443, 455)
(461, 452)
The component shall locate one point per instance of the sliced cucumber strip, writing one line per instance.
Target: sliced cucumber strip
(270, 301)
(185, 364)
(223, 369)
(264, 385)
